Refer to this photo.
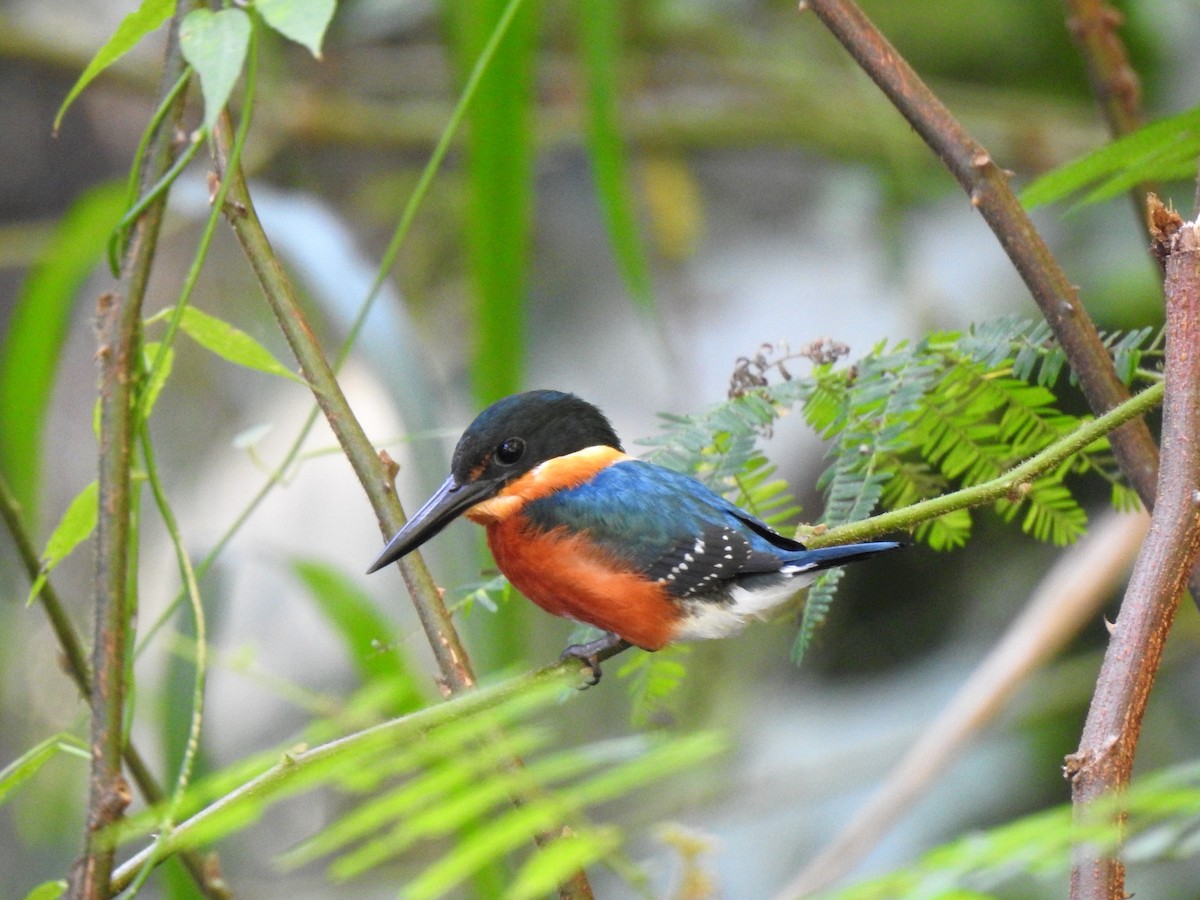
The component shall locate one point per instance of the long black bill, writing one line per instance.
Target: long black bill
(449, 502)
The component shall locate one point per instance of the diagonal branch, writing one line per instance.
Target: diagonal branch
(1104, 760)
(987, 185)
(373, 474)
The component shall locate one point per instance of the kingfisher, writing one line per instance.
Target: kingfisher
(644, 553)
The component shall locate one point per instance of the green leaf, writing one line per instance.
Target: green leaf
(303, 21)
(215, 45)
(76, 526)
(48, 890)
(600, 32)
(369, 636)
(135, 26)
(654, 682)
(37, 329)
(450, 789)
(231, 343)
(31, 761)
(229, 800)
(500, 186)
(552, 865)
(513, 828)
(1149, 153)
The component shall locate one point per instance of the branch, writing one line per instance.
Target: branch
(73, 658)
(1008, 485)
(1103, 763)
(987, 185)
(451, 657)
(1093, 25)
(372, 471)
(118, 353)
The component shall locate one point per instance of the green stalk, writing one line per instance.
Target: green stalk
(1007, 485)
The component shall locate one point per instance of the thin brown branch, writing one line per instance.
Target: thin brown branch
(1103, 763)
(118, 355)
(1065, 599)
(73, 657)
(1095, 28)
(987, 186)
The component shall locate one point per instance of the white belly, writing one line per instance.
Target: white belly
(708, 619)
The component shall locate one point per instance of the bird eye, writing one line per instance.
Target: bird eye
(510, 451)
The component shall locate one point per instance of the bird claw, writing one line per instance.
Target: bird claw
(590, 655)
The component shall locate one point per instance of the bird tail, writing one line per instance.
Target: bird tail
(829, 557)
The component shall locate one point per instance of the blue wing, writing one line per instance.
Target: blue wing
(668, 527)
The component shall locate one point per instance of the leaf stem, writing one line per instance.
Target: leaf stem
(117, 241)
(998, 488)
(191, 588)
(210, 224)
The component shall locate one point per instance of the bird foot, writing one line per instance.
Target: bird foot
(591, 654)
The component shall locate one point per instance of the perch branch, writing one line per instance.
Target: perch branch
(1103, 763)
(447, 647)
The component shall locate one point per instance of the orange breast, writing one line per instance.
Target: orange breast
(566, 575)
(556, 474)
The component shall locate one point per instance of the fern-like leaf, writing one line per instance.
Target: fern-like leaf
(654, 682)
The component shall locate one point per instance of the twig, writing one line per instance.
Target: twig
(1103, 763)
(1066, 598)
(987, 185)
(119, 320)
(74, 660)
(191, 587)
(1093, 25)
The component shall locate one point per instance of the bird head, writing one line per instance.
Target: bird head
(506, 440)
